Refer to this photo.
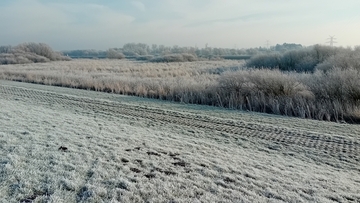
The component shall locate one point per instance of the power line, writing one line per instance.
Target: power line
(331, 40)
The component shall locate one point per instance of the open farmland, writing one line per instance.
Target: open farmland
(69, 145)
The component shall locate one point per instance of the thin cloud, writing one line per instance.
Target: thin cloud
(103, 24)
(138, 5)
(250, 17)
(62, 24)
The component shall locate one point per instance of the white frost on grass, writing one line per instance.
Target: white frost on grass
(103, 163)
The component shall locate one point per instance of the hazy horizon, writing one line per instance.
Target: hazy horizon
(95, 24)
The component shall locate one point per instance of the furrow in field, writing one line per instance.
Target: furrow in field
(328, 143)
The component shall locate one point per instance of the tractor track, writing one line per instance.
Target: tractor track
(330, 144)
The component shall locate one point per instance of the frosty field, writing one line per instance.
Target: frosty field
(69, 145)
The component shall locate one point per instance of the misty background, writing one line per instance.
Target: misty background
(94, 24)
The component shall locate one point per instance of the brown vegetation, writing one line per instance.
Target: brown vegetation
(333, 95)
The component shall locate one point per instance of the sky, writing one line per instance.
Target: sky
(103, 24)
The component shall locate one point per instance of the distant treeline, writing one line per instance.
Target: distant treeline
(40, 52)
(156, 53)
(29, 53)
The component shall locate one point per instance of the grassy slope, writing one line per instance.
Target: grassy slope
(94, 167)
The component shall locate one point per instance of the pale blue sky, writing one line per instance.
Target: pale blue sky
(95, 24)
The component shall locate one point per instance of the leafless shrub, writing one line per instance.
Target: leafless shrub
(5, 49)
(264, 60)
(344, 60)
(276, 83)
(183, 57)
(9, 59)
(337, 92)
(264, 90)
(41, 49)
(308, 59)
(29, 53)
(113, 54)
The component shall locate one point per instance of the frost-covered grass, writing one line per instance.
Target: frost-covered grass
(171, 81)
(333, 95)
(111, 157)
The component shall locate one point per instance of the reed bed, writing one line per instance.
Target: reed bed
(333, 95)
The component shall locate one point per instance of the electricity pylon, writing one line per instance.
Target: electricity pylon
(267, 44)
(331, 40)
